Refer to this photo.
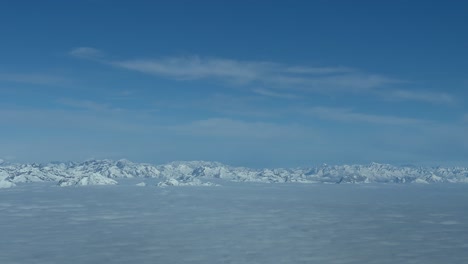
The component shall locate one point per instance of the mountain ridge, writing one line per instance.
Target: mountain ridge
(188, 173)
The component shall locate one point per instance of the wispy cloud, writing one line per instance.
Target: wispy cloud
(225, 127)
(270, 93)
(318, 79)
(247, 72)
(343, 83)
(190, 68)
(32, 78)
(252, 74)
(319, 70)
(86, 53)
(349, 116)
(123, 95)
(33, 119)
(422, 96)
(86, 105)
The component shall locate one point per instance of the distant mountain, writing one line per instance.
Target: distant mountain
(90, 179)
(104, 172)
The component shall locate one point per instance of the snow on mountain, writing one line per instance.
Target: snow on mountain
(92, 179)
(3, 174)
(216, 170)
(385, 173)
(24, 173)
(190, 173)
(115, 169)
(193, 182)
(6, 184)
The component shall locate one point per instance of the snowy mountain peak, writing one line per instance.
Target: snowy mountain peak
(189, 172)
(92, 179)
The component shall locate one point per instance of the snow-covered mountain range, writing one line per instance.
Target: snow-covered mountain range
(105, 172)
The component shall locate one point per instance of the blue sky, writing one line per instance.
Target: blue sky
(283, 83)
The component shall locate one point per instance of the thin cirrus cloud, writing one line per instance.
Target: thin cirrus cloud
(246, 72)
(349, 116)
(356, 82)
(191, 68)
(32, 78)
(266, 73)
(271, 93)
(426, 96)
(231, 128)
(87, 53)
(85, 105)
(320, 70)
(73, 121)
(252, 74)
